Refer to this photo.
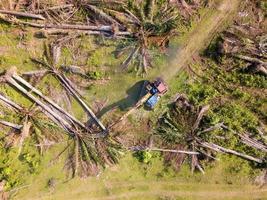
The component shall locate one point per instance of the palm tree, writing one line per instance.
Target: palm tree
(152, 24)
(183, 128)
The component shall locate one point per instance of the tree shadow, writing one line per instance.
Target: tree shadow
(133, 95)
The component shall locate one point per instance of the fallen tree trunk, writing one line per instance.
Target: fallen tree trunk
(252, 60)
(54, 105)
(11, 125)
(81, 102)
(55, 116)
(35, 73)
(174, 151)
(10, 103)
(252, 143)
(143, 148)
(218, 148)
(22, 14)
(248, 141)
(105, 30)
(54, 8)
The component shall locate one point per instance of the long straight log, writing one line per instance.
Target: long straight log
(10, 103)
(11, 125)
(247, 140)
(249, 59)
(35, 73)
(54, 105)
(221, 149)
(137, 105)
(102, 14)
(59, 120)
(107, 31)
(71, 85)
(22, 14)
(82, 103)
(102, 28)
(174, 151)
(54, 8)
(253, 143)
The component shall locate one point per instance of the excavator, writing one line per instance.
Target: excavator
(151, 92)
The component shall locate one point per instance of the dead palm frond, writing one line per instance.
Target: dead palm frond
(96, 10)
(183, 128)
(242, 42)
(86, 156)
(31, 123)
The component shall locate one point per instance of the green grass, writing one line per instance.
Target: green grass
(130, 179)
(134, 180)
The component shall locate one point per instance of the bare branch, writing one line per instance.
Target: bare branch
(22, 14)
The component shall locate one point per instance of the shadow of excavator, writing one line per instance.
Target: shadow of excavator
(133, 95)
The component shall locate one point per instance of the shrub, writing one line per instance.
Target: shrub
(96, 75)
(143, 156)
(201, 94)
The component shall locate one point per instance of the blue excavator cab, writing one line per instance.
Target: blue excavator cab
(152, 101)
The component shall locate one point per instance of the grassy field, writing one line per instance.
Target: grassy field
(131, 179)
(134, 180)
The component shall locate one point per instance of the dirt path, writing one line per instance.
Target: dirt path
(122, 90)
(200, 36)
(149, 189)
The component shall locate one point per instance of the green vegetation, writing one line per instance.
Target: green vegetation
(136, 37)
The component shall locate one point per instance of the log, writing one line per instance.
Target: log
(10, 103)
(252, 60)
(252, 143)
(72, 85)
(35, 73)
(11, 125)
(55, 116)
(54, 105)
(102, 14)
(82, 103)
(54, 8)
(218, 148)
(102, 28)
(248, 141)
(22, 14)
(200, 116)
(174, 151)
(82, 29)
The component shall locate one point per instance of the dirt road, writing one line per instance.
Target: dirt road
(153, 190)
(200, 37)
(197, 39)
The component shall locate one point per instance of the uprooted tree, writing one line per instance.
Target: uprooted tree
(88, 149)
(183, 128)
